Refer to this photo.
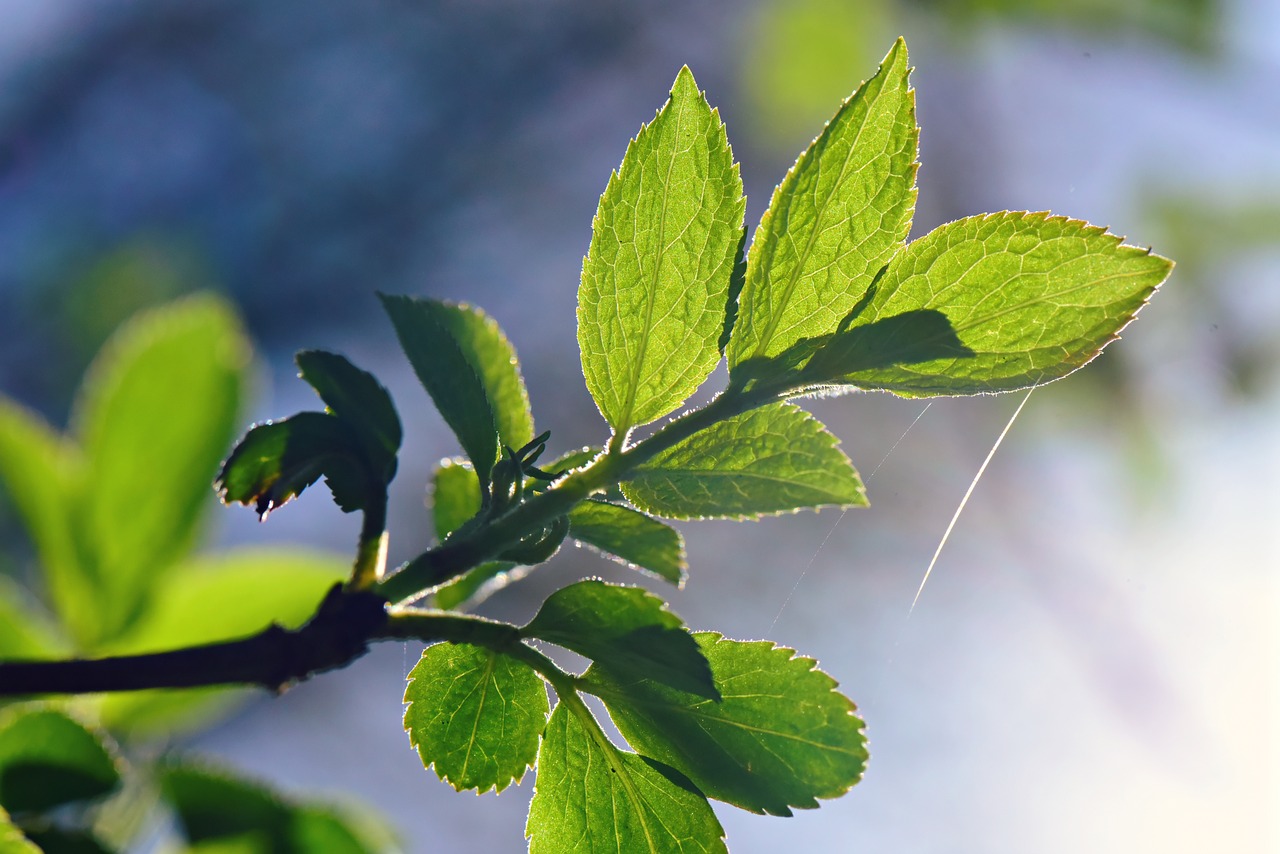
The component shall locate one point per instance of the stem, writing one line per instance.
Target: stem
(371, 549)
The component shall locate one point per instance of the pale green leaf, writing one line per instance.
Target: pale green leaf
(773, 459)
(356, 397)
(474, 715)
(627, 629)
(630, 537)
(1031, 297)
(592, 797)
(780, 737)
(26, 631)
(204, 600)
(840, 213)
(156, 414)
(655, 281)
(11, 839)
(48, 759)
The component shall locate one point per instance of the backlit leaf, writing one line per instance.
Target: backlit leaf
(837, 217)
(780, 737)
(1031, 297)
(651, 304)
(475, 715)
(626, 629)
(592, 797)
(357, 398)
(26, 631)
(48, 759)
(773, 459)
(630, 537)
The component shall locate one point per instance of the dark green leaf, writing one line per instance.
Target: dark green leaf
(474, 715)
(540, 546)
(625, 629)
(774, 459)
(780, 737)
(630, 537)
(156, 413)
(837, 217)
(48, 759)
(53, 840)
(276, 460)
(656, 277)
(359, 400)
(1031, 298)
(593, 797)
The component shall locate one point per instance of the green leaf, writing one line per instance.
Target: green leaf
(221, 812)
(780, 737)
(41, 473)
(478, 584)
(359, 400)
(11, 839)
(56, 840)
(156, 413)
(455, 496)
(840, 213)
(651, 304)
(229, 595)
(25, 630)
(470, 370)
(630, 537)
(277, 460)
(593, 797)
(626, 629)
(48, 759)
(475, 715)
(1032, 297)
(774, 459)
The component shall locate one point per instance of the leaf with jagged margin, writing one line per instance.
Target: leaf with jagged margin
(357, 398)
(155, 414)
(592, 797)
(427, 332)
(214, 808)
(277, 460)
(630, 537)
(780, 737)
(838, 216)
(11, 839)
(41, 473)
(48, 759)
(774, 459)
(475, 715)
(1030, 296)
(455, 499)
(627, 629)
(651, 304)
(208, 599)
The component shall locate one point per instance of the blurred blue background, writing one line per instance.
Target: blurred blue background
(1095, 663)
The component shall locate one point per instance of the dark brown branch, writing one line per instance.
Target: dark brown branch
(338, 634)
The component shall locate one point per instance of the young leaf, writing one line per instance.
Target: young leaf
(276, 460)
(630, 537)
(48, 759)
(1031, 297)
(359, 400)
(774, 459)
(209, 599)
(836, 219)
(475, 715)
(156, 413)
(627, 630)
(780, 737)
(651, 304)
(592, 797)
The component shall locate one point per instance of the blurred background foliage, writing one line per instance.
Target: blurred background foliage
(296, 156)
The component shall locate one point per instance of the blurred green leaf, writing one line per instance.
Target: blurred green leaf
(840, 213)
(630, 537)
(774, 459)
(204, 600)
(1032, 297)
(474, 715)
(597, 798)
(11, 839)
(48, 759)
(55, 840)
(626, 630)
(25, 630)
(780, 737)
(155, 416)
(654, 284)
(357, 398)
